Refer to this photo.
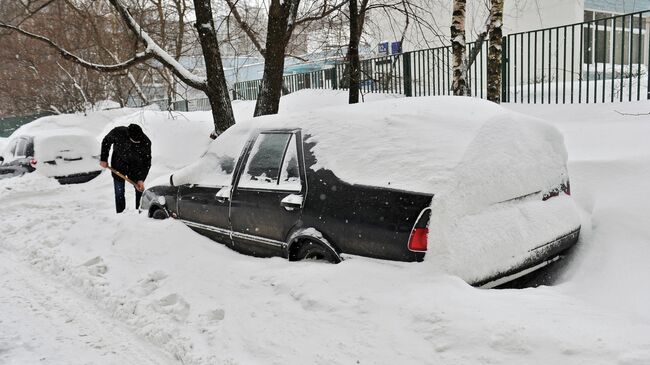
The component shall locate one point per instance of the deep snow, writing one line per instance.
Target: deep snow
(205, 304)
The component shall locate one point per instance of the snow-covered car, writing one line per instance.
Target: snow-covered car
(68, 155)
(462, 183)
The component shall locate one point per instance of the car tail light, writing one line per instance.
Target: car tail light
(419, 239)
(32, 163)
(565, 187)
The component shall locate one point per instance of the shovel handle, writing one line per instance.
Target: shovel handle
(123, 177)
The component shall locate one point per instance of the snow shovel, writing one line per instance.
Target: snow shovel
(123, 177)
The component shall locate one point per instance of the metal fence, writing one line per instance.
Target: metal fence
(594, 61)
(602, 60)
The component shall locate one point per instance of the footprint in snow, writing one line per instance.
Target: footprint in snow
(209, 322)
(173, 305)
(96, 266)
(149, 284)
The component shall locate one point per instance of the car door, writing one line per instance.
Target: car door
(268, 197)
(204, 206)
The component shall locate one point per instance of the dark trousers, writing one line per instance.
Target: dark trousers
(120, 202)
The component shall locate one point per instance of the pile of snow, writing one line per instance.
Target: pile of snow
(416, 143)
(493, 215)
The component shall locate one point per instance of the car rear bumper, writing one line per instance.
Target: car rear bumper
(78, 178)
(540, 256)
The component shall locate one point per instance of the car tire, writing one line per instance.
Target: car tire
(310, 250)
(159, 214)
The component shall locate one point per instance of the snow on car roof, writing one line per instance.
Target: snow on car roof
(407, 144)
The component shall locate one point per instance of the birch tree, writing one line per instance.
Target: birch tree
(462, 61)
(494, 51)
(458, 46)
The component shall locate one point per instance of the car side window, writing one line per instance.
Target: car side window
(290, 172)
(268, 167)
(12, 151)
(21, 148)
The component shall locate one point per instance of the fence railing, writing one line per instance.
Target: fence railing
(602, 60)
(594, 61)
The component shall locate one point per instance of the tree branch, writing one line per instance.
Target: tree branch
(322, 15)
(245, 27)
(158, 53)
(138, 58)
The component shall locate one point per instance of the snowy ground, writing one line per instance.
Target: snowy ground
(81, 285)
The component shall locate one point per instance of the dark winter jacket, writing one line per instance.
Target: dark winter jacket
(131, 159)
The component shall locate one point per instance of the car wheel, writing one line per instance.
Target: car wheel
(159, 214)
(310, 250)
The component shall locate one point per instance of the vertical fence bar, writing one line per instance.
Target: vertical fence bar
(428, 73)
(629, 91)
(535, 72)
(614, 56)
(557, 65)
(564, 67)
(588, 61)
(447, 71)
(595, 62)
(485, 53)
(550, 63)
(573, 58)
(505, 69)
(515, 67)
(528, 69)
(420, 72)
(605, 61)
(521, 69)
(438, 68)
(542, 63)
(407, 73)
(647, 68)
(623, 40)
(638, 57)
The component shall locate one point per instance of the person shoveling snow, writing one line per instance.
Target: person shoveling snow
(130, 162)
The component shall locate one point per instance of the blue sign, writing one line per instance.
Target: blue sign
(383, 48)
(396, 47)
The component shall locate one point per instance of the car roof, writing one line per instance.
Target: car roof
(407, 143)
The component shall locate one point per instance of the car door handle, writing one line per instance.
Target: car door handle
(223, 195)
(291, 202)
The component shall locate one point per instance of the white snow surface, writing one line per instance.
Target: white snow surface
(171, 296)
(416, 143)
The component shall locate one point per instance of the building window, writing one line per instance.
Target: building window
(608, 37)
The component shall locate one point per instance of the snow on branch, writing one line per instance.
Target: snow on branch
(138, 58)
(158, 53)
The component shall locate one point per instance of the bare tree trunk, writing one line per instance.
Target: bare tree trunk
(494, 52)
(353, 53)
(282, 16)
(458, 45)
(216, 88)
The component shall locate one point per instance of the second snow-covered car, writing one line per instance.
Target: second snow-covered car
(68, 155)
(463, 183)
